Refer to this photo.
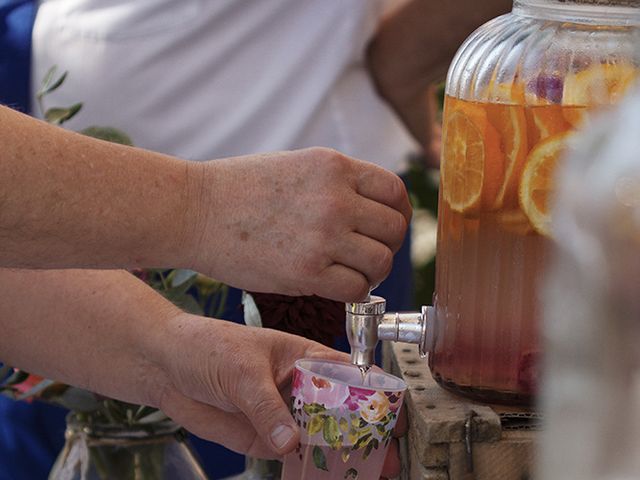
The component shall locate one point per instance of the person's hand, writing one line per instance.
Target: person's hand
(306, 222)
(227, 383)
(392, 465)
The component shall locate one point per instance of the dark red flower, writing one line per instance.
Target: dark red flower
(311, 317)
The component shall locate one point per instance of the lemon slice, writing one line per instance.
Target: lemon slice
(472, 163)
(510, 122)
(537, 183)
(600, 84)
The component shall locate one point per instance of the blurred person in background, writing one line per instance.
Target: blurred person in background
(209, 79)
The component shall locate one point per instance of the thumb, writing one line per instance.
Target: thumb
(269, 415)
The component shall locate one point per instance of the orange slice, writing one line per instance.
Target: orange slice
(537, 184)
(544, 122)
(576, 116)
(510, 122)
(600, 84)
(472, 168)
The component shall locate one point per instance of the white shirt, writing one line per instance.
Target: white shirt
(204, 79)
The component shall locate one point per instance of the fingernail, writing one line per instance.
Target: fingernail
(281, 435)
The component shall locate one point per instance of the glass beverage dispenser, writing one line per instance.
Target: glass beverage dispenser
(516, 91)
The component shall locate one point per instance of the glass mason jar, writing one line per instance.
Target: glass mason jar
(516, 90)
(155, 451)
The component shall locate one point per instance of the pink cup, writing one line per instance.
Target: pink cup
(346, 421)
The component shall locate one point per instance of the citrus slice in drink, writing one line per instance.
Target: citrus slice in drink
(600, 84)
(545, 121)
(537, 183)
(576, 116)
(510, 121)
(472, 163)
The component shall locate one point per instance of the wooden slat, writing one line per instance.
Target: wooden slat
(435, 446)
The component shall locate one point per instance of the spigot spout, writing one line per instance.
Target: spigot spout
(362, 329)
(367, 323)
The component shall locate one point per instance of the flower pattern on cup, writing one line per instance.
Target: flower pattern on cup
(349, 419)
(374, 408)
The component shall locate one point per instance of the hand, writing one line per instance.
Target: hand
(231, 386)
(392, 466)
(300, 223)
(227, 383)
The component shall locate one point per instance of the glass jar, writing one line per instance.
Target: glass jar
(517, 89)
(155, 451)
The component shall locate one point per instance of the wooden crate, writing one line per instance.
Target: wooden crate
(451, 438)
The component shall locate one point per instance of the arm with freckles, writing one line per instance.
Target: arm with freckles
(311, 221)
(110, 333)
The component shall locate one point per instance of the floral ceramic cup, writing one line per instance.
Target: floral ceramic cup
(346, 420)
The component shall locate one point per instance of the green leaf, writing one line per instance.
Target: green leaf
(182, 287)
(57, 116)
(48, 84)
(183, 301)
(363, 440)
(156, 416)
(352, 474)
(313, 408)
(344, 424)
(373, 444)
(331, 433)
(180, 276)
(345, 454)
(315, 424)
(319, 460)
(108, 134)
(78, 400)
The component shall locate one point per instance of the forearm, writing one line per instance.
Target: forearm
(413, 48)
(68, 200)
(102, 330)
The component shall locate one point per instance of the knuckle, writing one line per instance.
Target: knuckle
(397, 190)
(262, 407)
(332, 160)
(359, 289)
(383, 263)
(397, 228)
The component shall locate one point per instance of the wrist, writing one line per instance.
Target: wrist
(158, 352)
(194, 242)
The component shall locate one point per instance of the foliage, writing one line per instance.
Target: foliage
(423, 190)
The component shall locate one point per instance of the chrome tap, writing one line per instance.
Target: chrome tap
(367, 323)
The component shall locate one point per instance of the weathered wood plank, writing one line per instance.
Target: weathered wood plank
(435, 447)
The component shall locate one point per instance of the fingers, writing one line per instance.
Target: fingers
(233, 430)
(392, 467)
(382, 223)
(342, 284)
(402, 424)
(384, 187)
(269, 415)
(365, 255)
(392, 462)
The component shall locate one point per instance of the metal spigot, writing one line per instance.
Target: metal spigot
(367, 323)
